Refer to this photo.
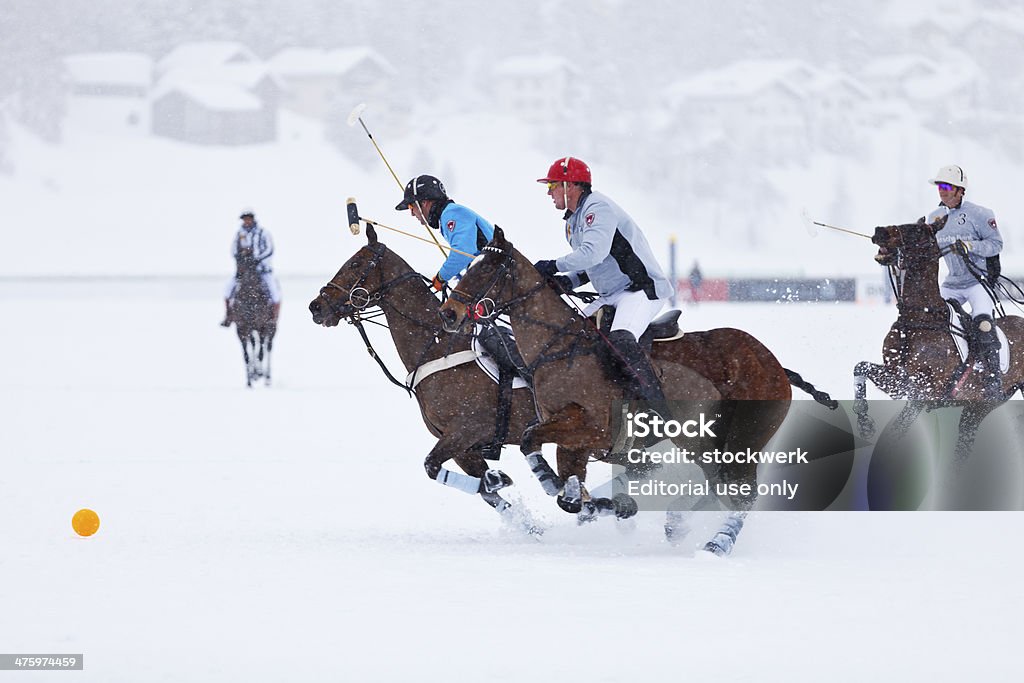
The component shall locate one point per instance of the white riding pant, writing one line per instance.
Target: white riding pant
(975, 295)
(633, 310)
(268, 279)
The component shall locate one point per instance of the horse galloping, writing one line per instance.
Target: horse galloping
(920, 359)
(458, 401)
(727, 367)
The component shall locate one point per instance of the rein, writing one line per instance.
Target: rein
(480, 312)
(360, 298)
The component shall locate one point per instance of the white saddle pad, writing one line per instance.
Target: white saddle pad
(490, 367)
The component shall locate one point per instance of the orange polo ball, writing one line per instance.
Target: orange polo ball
(85, 522)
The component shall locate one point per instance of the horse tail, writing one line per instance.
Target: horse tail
(820, 396)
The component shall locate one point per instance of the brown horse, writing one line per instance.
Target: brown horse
(255, 324)
(727, 368)
(458, 403)
(920, 361)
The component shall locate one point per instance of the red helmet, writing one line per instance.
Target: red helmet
(568, 170)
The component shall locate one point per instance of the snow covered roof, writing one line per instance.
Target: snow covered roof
(923, 78)
(899, 66)
(207, 54)
(743, 79)
(110, 68)
(217, 96)
(241, 75)
(535, 65)
(951, 16)
(296, 61)
(748, 78)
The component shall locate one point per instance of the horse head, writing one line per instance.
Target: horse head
(355, 287)
(911, 241)
(484, 289)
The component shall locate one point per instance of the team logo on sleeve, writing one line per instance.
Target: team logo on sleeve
(992, 223)
(451, 225)
(589, 219)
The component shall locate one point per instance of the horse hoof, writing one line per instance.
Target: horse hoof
(625, 507)
(719, 547)
(570, 505)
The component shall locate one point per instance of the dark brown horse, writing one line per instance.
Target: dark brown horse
(458, 403)
(920, 361)
(576, 400)
(253, 315)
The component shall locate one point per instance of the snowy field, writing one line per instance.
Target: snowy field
(290, 533)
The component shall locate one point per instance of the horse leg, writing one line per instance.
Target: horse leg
(882, 378)
(970, 420)
(477, 478)
(516, 514)
(722, 542)
(677, 526)
(531, 448)
(269, 347)
(904, 420)
(243, 339)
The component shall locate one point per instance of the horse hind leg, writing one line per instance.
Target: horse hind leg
(268, 347)
(722, 543)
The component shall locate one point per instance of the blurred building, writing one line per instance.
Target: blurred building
(108, 91)
(215, 93)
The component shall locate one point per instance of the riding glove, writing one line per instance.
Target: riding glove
(546, 268)
(961, 247)
(563, 282)
(437, 284)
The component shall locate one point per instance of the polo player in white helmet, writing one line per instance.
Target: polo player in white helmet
(970, 235)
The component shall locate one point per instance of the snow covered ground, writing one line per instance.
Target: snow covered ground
(290, 533)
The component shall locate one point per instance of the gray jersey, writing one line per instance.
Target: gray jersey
(976, 226)
(613, 252)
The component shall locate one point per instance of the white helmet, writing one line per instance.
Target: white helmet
(954, 175)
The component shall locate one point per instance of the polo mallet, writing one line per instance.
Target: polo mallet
(812, 230)
(353, 225)
(357, 115)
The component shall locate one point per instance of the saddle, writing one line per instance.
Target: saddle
(663, 328)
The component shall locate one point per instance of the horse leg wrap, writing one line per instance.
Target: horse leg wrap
(462, 482)
(677, 527)
(571, 499)
(549, 481)
(722, 542)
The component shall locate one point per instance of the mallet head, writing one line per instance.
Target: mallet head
(353, 215)
(356, 113)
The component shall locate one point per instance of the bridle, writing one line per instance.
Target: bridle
(360, 298)
(482, 308)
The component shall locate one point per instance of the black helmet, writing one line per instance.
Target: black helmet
(421, 187)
